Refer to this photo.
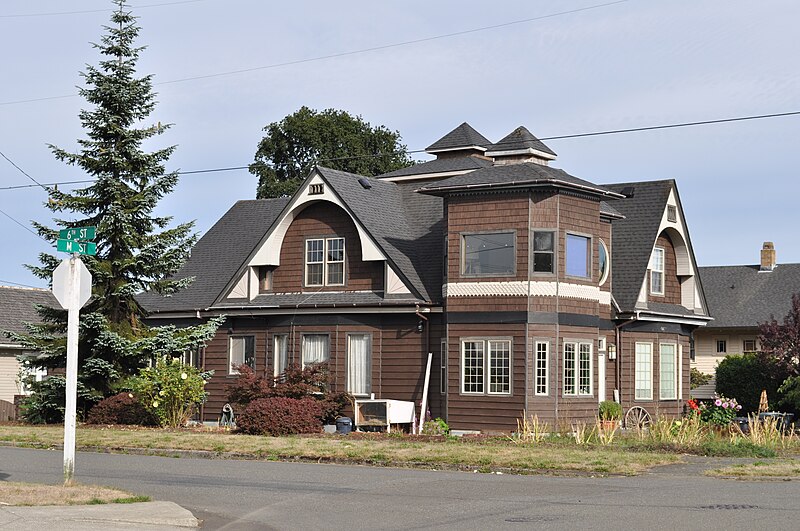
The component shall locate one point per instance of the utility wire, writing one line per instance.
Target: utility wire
(29, 15)
(23, 171)
(348, 53)
(375, 155)
(22, 225)
(6, 282)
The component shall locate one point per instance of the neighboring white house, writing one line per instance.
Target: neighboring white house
(17, 307)
(739, 299)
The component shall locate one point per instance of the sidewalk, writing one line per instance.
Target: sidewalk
(157, 515)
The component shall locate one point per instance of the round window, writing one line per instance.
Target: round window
(605, 264)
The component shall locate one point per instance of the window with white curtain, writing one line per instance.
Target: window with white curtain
(359, 364)
(241, 351)
(315, 348)
(668, 372)
(281, 353)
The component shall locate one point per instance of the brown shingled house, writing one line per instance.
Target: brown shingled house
(536, 291)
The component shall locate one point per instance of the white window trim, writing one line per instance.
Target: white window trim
(744, 347)
(577, 370)
(554, 252)
(443, 368)
(275, 353)
(605, 274)
(546, 367)
(649, 397)
(716, 346)
(654, 271)
(486, 365)
(661, 395)
(302, 353)
(231, 370)
(367, 369)
(325, 262)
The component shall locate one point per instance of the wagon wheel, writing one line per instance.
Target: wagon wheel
(637, 417)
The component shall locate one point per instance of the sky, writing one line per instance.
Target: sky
(422, 68)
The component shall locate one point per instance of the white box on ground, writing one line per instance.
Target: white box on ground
(383, 413)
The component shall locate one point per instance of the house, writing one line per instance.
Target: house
(535, 291)
(17, 307)
(740, 298)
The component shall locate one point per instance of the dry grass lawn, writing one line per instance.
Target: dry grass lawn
(33, 494)
(768, 468)
(483, 455)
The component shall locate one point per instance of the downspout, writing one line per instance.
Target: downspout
(618, 364)
(426, 376)
(528, 350)
(427, 330)
(558, 292)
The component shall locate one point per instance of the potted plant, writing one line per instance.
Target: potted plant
(609, 413)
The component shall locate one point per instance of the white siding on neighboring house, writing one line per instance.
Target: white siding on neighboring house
(707, 358)
(9, 370)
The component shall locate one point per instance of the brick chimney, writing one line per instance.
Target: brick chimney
(768, 257)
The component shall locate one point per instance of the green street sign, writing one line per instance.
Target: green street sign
(70, 246)
(77, 234)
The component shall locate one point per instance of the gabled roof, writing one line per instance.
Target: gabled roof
(400, 222)
(218, 255)
(443, 165)
(743, 296)
(462, 137)
(635, 236)
(18, 306)
(520, 139)
(521, 175)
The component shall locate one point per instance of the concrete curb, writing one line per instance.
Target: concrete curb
(145, 515)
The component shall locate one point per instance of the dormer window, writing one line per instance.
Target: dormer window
(657, 271)
(325, 262)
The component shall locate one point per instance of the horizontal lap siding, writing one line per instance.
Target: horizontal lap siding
(485, 412)
(487, 304)
(324, 220)
(672, 286)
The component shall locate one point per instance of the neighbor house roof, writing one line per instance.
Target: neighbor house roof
(743, 296)
(18, 306)
(635, 235)
(218, 255)
(462, 137)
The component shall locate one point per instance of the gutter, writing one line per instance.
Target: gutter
(539, 183)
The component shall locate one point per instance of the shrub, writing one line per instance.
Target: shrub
(297, 382)
(745, 376)
(721, 411)
(697, 378)
(248, 387)
(123, 408)
(790, 394)
(45, 404)
(437, 426)
(171, 390)
(610, 410)
(280, 416)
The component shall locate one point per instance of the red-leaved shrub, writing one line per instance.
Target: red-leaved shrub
(121, 409)
(280, 416)
(248, 387)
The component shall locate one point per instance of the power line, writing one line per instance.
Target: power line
(375, 155)
(30, 15)
(22, 225)
(22, 171)
(6, 282)
(348, 53)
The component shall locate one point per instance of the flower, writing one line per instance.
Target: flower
(155, 403)
(161, 393)
(725, 405)
(184, 376)
(130, 395)
(717, 402)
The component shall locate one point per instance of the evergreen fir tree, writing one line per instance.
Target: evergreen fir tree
(137, 251)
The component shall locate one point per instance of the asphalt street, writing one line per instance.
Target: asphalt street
(231, 494)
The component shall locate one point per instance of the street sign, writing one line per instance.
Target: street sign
(77, 233)
(62, 287)
(71, 246)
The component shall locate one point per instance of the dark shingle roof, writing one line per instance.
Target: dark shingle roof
(400, 222)
(218, 255)
(520, 139)
(514, 175)
(634, 236)
(18, 306)
(463, 136)
(743, 296)
(442, 165)
(610, 211)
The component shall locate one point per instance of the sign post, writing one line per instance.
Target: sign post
(72, 287)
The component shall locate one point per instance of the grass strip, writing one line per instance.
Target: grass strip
(33, 494)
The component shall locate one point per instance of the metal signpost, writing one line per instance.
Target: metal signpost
(72, 287)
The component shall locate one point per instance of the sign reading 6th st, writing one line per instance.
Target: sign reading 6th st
(77, 234)
(76, 240)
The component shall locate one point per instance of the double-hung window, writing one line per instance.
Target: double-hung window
(281, 353)
(722, 346)
(486, 366)
(325, 262)
(657, 272)
(359, 366)
(542, 351)
(577, 368)
(315, 348)
(748, 345)
(578, 256)
(544, 252)
(644, 371)
(489, 254)
(241, 351)
(668, 372)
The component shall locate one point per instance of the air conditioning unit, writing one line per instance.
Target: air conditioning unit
(377, 414)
